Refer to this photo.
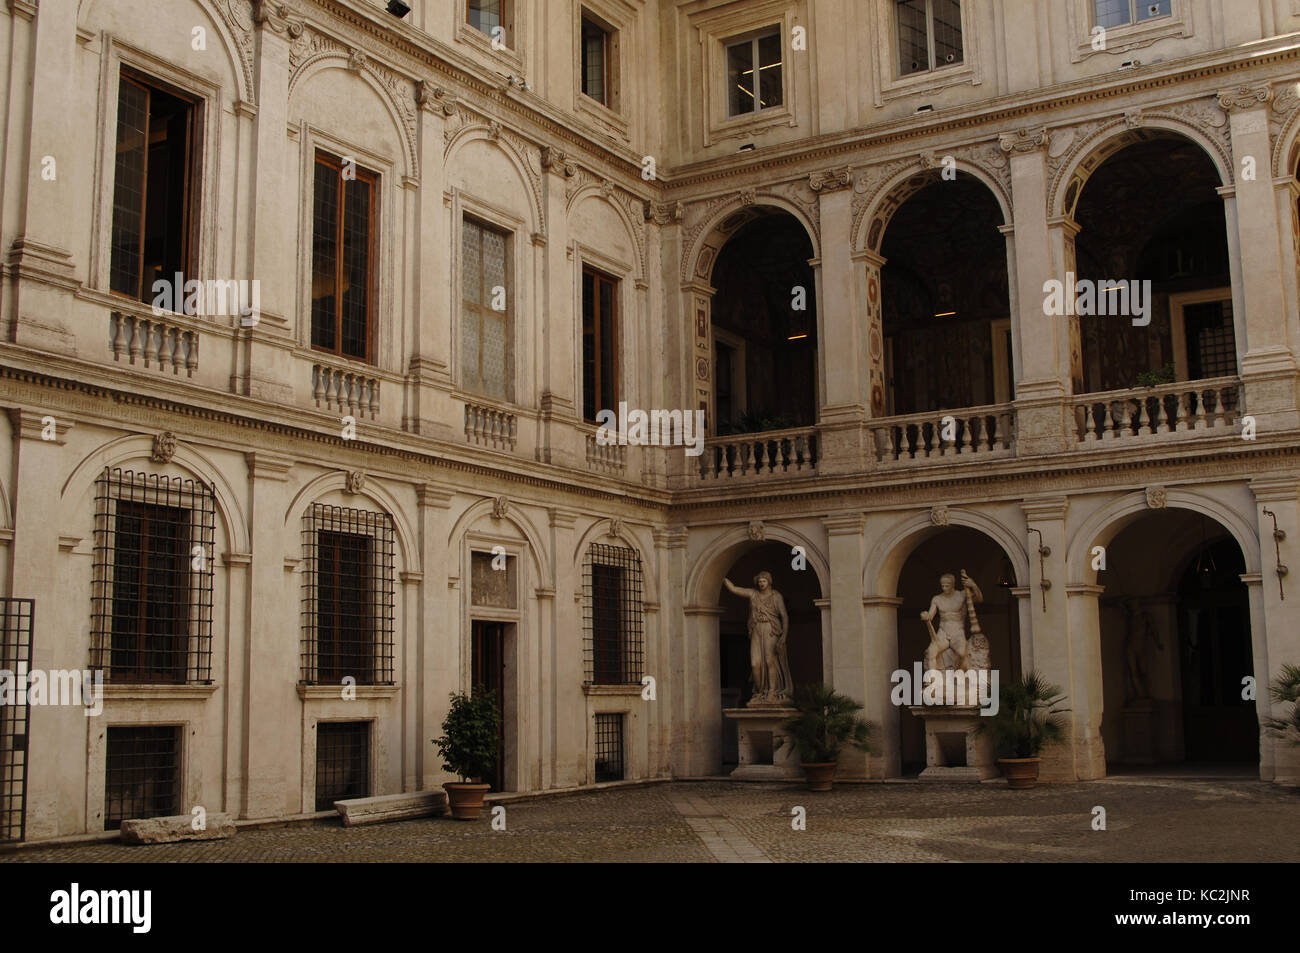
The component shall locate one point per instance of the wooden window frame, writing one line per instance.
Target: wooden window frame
(193, 174)
(507, 21)
(752, 41)
(326, 159)
(1133, 18)
(615, 287)
(934, 67)
(609, 59)
(508, 314)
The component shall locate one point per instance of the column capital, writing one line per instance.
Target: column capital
(34, 425)
(844, 524)
(670, 537)
(1244, 98)
(882, 602)
(560, 518)
(1052, 508)
(1084, 589)
(1275, 489)
(433, 496)
(826, 181)
(268, 466)
(1025, 141)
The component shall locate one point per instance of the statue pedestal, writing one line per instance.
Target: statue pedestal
(1139, 716)
(760, 731)
(954, 750)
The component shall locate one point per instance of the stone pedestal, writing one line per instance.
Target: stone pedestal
(954, 750)
(760, 733)
(1139, 719)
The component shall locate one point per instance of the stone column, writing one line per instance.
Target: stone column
(238, 586)
(40, 257)
(1268, 368)
(670, 568)
(857, 654)
(842, 370)
(270, 714)
(1046, 344)
(882, 648)
(567, 703)
(1278, 643)
(411, 594)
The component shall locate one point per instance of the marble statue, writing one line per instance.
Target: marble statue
(949, 648)
(768, 627)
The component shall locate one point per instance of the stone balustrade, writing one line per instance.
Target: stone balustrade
(1189, 407)
(605, 458)
(758, 455)
(345, 390)
(153, 342)
(986, 432)
(490, 427)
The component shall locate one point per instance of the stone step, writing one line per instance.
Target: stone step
(171, 830)
(391, 807)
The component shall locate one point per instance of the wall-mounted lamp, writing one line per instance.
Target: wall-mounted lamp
(1278, 536)
(398, 9)
(1043, 552)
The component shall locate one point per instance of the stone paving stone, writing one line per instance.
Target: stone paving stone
(1147, 820)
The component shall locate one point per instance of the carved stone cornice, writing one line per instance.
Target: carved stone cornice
(1024, 141)
(1242, 98)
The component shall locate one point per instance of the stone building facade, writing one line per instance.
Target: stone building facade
(285, 530)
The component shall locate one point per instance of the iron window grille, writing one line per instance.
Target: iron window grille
(151, 597)
(929, 35)
(143, 774)
(16, 626)
(609, 747)
(347, 596)
(342, 762)
(613, 615)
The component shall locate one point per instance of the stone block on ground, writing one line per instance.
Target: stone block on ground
(171, 830)
(391, 807)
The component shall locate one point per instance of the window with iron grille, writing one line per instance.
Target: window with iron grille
(16, 618)
(143, 777)
(612, 613)
(609, 747)
(342, 762)
(155, 173)
(347, 596)
(929, 35)
(151, 598)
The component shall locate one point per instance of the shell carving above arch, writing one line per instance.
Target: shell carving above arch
(310, 47)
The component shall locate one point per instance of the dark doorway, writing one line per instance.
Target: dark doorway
(489, 670)
(1214, 649)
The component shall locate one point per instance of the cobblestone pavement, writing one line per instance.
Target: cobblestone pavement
(1146, 820)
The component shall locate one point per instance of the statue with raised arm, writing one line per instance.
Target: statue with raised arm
(768, 627)
(949, 647)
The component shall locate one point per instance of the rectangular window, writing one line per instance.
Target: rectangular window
(491, 17)
(155, 175)
(152, 592)
(343, 253)
(485, 364)
(754, 80)
(342, 762)
(1211, 340)
(929, 35)
(595, 61)
(1111, 13)
(609, 747)
(599, 344)
(614, 615)
(348, 596)
(143, 773)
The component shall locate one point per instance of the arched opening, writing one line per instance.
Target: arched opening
(764, 325)
(1176, 647)
(946, 306)
(951, 551)
(801, 591)
(1150, 213)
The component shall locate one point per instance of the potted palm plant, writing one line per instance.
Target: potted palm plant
(468, 748)
(1028, 718)
(826, 722)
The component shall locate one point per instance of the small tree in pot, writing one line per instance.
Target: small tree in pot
(826, 722)
(468, 748)
(1028, 718)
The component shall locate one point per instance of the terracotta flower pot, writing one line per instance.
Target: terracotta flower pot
(1020, 773)
(820, 776)
(465, 799)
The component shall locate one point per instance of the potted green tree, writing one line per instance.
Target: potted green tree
(826, 722)
(1286, 688)
(1028, 718)
(468, 748)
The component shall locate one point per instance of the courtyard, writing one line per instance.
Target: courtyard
(1147, 819)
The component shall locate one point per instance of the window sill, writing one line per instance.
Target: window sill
(335, 692)
(483, 43)
(133, 692)
(749, 124)
(612, 689)
(604, 118)
(1125, 39)
(930, 81)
